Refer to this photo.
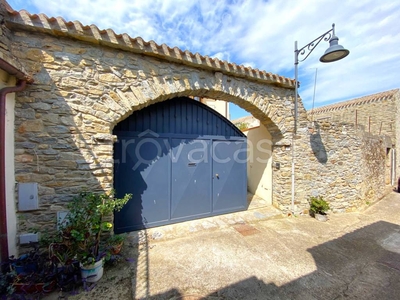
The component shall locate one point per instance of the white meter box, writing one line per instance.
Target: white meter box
(28, 196)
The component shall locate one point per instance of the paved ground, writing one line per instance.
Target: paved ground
(259, 254)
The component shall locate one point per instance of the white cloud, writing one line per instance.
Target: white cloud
(261, 34)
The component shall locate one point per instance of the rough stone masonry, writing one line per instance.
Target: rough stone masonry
(86, 81)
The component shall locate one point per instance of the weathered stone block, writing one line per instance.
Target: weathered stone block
(31, 126)
(50, 152)
(43, 139)
(109, 78)
(57, 129)
(26, 145)
(24, 158)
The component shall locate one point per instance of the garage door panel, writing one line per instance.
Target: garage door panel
(229, 176)
(144, 168)
(191, 193)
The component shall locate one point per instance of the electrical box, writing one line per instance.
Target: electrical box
(28, 196)
(27, 238)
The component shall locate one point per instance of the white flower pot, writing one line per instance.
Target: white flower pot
(93, 273)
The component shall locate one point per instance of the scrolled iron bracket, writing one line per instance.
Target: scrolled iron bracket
(307, 49)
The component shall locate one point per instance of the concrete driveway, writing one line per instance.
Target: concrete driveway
(352, 256)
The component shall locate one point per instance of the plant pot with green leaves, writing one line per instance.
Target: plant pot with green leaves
(67, 267)
(318, 208)
(34, 272)
(84, 225)
(115, 242)
(7, 278)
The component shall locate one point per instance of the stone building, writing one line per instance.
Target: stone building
(66, 86)
(376, 114)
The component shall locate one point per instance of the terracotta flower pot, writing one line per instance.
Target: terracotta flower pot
(115, 249)
(34, 288)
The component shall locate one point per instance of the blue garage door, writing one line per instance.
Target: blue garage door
(180, 160)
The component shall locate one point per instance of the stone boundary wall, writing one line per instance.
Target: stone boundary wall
(5, 45)
(64, 120)
(397, 126)
(81, 90)
(377, 118)
(378, 114)
(4, 33)
(344, 165)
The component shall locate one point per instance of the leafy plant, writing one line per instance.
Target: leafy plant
(78, 244)
(116, 239)
(85, 221)
(68, 269)
(7, 277)
(318, 205)
(115, 242)
(32, 272)
(28, 262)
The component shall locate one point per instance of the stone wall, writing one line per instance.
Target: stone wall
(377, 114)
(4, 31)
(83, 87)
(397, 126)
(64, 120)
(378, 118)
(344, 165)
(5, 41)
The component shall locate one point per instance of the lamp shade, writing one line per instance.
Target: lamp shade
(334, 52)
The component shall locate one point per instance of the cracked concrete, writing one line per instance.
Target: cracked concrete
(352, 256)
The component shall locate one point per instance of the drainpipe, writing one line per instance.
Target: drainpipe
(393, 181)
(3, 207)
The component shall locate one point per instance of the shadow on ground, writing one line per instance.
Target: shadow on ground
(354, 266)
(363, 264)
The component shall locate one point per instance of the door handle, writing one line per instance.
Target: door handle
(216, 175)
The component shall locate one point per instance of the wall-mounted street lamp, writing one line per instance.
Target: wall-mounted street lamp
(333, 53)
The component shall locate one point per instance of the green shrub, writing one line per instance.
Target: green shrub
(318, 205)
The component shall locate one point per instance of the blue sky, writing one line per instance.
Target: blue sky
(261, 34)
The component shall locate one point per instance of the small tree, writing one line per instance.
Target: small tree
(85, 222)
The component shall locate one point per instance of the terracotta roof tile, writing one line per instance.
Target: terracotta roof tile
(60, 27)
(355, 102)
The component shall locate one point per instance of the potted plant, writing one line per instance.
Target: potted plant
(318, 208)
(26, 263)
(68, 268)
(34, 283)
(83, 226)
(115, 242)
(34, 272)
(7, 277)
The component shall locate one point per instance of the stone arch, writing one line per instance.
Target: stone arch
(270, 104)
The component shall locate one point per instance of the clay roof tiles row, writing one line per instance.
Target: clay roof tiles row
(91, 33)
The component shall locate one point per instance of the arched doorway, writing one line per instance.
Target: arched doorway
(180, 160)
